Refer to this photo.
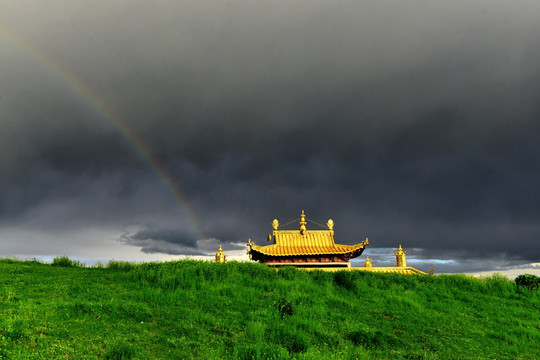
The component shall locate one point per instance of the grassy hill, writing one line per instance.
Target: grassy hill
(199, 310)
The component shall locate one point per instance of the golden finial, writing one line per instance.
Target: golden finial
(400, 257)
(275, 224)
(220, 255)
(303, 223)
(330, 224)
(368, 263)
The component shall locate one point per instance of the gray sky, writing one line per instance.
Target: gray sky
(413, 123)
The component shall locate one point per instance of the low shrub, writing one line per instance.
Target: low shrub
(500, 284)
(284, 307)
(528, 281)
(64, 261)
(121, 265)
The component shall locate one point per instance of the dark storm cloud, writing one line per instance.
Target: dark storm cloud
(173, 241)
(411, 123)
(169, 241)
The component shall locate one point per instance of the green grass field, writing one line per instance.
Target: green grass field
(204, 310)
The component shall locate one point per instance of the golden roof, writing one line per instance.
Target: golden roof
(305, 242)
(314, 242)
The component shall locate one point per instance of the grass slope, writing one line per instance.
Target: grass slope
(191, 309)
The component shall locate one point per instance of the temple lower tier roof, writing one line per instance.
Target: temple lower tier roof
(314, 242)
(296, 250)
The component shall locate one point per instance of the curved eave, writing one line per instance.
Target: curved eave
(276, 250)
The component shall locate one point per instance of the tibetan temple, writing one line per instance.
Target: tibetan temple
(305, 248)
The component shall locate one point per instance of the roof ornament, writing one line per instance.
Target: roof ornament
(368, 263)
(220, 255)
(275, 224)
(303, 223)
(401, 260)
(248, 250)
(330, 224)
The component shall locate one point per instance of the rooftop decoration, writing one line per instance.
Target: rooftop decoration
(400, 257)
(401, 265)
(220, 255)
(367, 263)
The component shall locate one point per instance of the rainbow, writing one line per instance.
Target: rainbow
(101, 107)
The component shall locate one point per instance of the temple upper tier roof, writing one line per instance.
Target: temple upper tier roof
(314, 242)
(305, 242)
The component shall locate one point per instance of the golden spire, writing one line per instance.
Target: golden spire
(275, 224)
(330, 224)
(400, 257)
(368, 263)
(220, 255)
(303, 223)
